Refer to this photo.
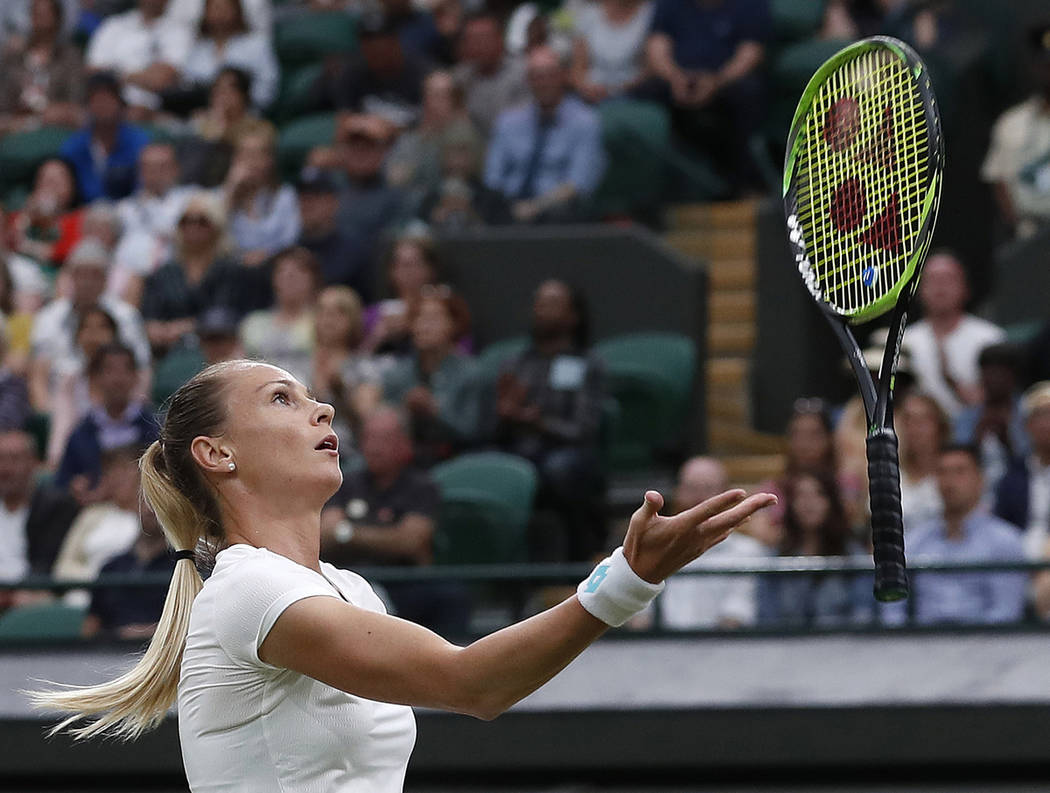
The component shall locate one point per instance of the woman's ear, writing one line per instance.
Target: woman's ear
(209, 454)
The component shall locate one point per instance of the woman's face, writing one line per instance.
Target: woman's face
(226, 97)
(55, 184)
(42, 18)
(332, 322)
(808, 441)
(433, 327)
(409, 270)
(273, 433)
(255, 156)
(809, 503)
(293, 283)
(920, 425)
(439, 103)
(196, 230)
(220, 15)
(95, 332)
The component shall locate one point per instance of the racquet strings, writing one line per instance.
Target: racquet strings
(863, 173)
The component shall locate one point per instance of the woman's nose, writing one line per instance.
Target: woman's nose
(324, 413)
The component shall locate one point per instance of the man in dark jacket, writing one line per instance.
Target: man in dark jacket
(1023, 495)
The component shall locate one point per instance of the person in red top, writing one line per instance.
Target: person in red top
(49, 226)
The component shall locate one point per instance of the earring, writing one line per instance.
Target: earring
(232, 465)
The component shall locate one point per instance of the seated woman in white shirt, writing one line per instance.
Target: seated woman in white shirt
(608, 49)
(923, 428)
(292, 677)
(264, 214)
(224, 39)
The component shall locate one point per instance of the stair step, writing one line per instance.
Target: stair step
(737, 305)
(725, 338)
(727, 371)
(731, 273)
(732, 408)
(722, 214)
(730, 438)
(753, 467)
(730, 243)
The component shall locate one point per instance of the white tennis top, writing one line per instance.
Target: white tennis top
(245, 725)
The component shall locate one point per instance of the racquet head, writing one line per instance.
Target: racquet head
(862, 177)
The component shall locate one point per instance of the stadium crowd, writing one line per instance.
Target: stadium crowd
(203, 180)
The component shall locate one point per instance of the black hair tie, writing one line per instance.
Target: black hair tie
(183, 555)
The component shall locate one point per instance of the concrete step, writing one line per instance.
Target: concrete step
(726, 437)
(727, 371)
(731, 273)
(753, 467)
(731, 338)
(724, 214)
(732, 408)
(736, 305)
(713, 244)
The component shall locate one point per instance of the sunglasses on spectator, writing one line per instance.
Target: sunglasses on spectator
(197, 220)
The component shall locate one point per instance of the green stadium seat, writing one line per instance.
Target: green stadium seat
(792, 20)
(297, 138)
(174, 369)
(311, 36)
(297, 91)
(22, 152)
(650, 375)
(637, 139)
(506, 477)
(42, 622)
(39, 426)
(790, 72)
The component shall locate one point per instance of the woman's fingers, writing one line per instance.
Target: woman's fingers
(651, 505)
(737, 514)
(710, 507)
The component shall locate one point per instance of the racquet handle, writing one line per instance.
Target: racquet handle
(887, 522)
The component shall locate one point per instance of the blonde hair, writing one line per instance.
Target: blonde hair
(347, 301)
(205, 203)
(188, 512)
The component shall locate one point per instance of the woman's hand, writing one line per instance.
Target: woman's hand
(656, 547)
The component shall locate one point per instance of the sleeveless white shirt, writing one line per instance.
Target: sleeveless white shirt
(245, 725)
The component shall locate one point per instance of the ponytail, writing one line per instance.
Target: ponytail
(138, 700)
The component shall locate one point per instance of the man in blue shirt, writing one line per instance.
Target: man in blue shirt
(547, 154)
(966, 533)
(105, 154)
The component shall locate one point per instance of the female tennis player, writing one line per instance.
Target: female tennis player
(289, 674)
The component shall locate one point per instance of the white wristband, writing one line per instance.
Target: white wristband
(614, 592)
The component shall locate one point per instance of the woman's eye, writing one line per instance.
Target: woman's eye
(282, 397)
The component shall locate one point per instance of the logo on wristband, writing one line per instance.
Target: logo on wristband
(595, 581)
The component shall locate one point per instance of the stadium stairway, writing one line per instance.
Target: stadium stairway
(723, 235)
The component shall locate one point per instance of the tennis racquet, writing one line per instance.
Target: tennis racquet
(862, 183)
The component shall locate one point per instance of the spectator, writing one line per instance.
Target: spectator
(264, 214)
(966, 534)
(104, 154)
(132, 613)
(34, 517)
(1018, 160)
(225, 39)
(438, 386)
(411, 267)
(944, 345)
(923, 429)
(546, 156)
(116, 419)
(228, 116)
(72, 397)
(706, 57)
(43, 78)
(416, 29)
(16, 20)
(343, 255)
(995, 425)
(608, 50)
(14, 394)
(549, 409)
(145, 49)
(342, 375)
(48, 226)
(218, 333)
(284, 335)
(385, 514)
(492, 81)
(107, 527)
(814, 525)
(257, 13)
(17, 307)
(54, 328)
(367, 203)
(202, 275)
(148, 220)
(383, 79)
(462, 200)
(414, 163)
(1023, 495)
(710, 601)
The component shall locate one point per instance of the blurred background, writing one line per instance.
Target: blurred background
(534, 255)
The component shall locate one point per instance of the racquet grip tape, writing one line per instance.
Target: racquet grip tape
(887, 521)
